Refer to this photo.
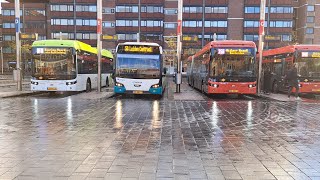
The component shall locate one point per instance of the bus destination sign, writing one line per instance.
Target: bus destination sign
(310, 54)
(138, 49)
(234, 51)
(51, 51)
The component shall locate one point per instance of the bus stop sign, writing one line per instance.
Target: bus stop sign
(17, 24)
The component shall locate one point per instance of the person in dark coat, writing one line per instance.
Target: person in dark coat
(292, 78)
(266, 80)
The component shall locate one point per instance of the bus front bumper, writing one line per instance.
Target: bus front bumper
(232, 88)
(123, 90)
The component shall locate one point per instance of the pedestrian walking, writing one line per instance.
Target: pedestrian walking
(292, 79)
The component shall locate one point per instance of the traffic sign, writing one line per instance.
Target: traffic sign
(99, 26)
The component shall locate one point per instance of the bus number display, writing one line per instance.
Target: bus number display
(234, 51)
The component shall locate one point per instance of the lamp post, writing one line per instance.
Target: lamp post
(99, 45)
(179, 45)
(18, 44)
(261, 34)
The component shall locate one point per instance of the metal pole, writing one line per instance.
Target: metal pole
(179, 45)
(261, 34)
(203, 16)
(1, 60)
(268, 22)
(74, 19)
(139, 11)
(99, 45)
(18, 44)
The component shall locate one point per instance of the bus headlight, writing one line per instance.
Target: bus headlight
(215, 85)
(155, 86)
(119, 84)
(71, 83)
(300, 85)
(34, 83)
(251, 85)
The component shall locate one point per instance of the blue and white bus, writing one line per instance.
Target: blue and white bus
(139, 69)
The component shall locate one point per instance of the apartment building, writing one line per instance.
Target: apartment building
(287, 22)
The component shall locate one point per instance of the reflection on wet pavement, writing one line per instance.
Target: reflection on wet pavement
(117, 138)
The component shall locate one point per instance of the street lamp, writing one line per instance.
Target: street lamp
(179, 45)
(261, 34)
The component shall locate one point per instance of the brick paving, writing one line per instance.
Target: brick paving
(80, 137)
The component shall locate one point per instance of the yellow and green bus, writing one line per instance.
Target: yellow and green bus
(68, 65)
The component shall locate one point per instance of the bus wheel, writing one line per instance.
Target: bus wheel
(275, 87)
(88, 86)
(107, 82)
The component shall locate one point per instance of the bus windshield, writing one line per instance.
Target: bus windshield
(53, 63)
(233, 66)
(308, 67)
(138, 66)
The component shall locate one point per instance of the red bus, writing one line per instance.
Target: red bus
(307, 58)
(224, 67)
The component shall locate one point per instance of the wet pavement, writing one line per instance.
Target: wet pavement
(90, 136)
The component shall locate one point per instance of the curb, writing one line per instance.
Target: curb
(20, 95)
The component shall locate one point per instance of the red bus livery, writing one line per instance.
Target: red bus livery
(224, 67)
(307, 58)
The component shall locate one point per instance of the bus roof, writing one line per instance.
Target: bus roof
(78, 45)
(139, 43)
(224, 44)
(291, 49)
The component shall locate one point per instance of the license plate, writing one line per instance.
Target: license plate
(137, 92)
(233, 91)
(52, 88)
(316, 90)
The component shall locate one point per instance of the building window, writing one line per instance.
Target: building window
(108, 24)
(86, 22)
(280, 24)
(252, 10)
(286, 37)
(310, 19)
(192, 24)
(9, 12)
(34, 12)
(64, 35)
(216, 10)
(283, 10)
(309, 31)
(251, 37)
(86, 8)
(62, 22)
(192, 9)
(171, 11)
(251, 23)
(8, 25)
(215, 24)
(9, 37)
(132, 23)
(310, 8)
(211, 37)
(7, 50)
(108, 10)
(42, 37)
(152, 9)
(61, 7)
(150, 23)
(127, 36)
(128, 9)
(170, 25)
